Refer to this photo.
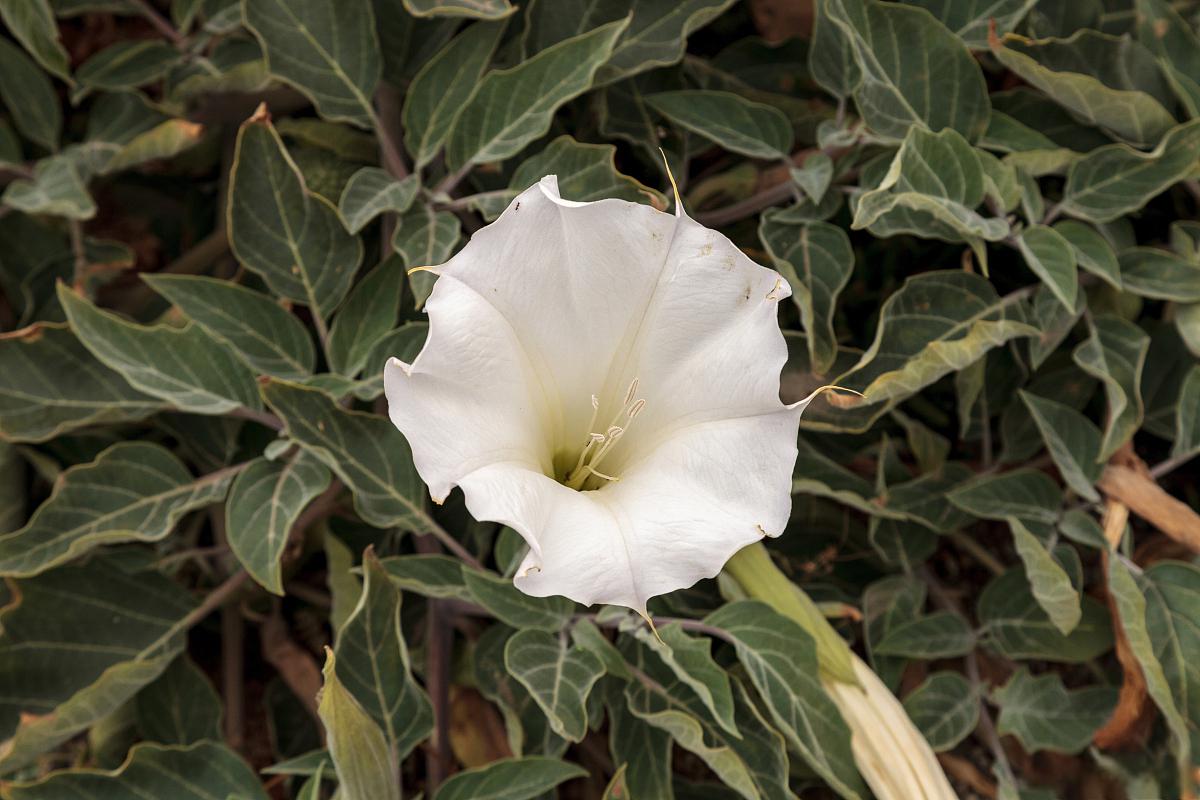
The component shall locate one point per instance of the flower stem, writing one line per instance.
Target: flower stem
(758, 576)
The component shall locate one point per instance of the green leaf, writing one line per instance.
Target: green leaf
(512, 606)
(1115, 354)
(1101, 79)
(923, 499)
(904, 86)
(163, 141)
(114, 632)
(643, 751)
(1177, 47)
(1132, 615)
(429, 575)
(1092, 251)
(1025, 493)
(268, 338)
(478, 9)
(51, 384)
(364, 450)
(373, 665)
(1112, 181)
(969, 19)
(814, 177)
(559, 678)
(739, 125)
(657, 33)
(125, 65)
(1052, 259)
(327, 51)
(509, 779)
(923, 195)
(1073, 441)
(444, 87)
(525, 722)
(372, 191)
(34, 26)
(944, 708)
(291, 237)
(514, 106)
(181, 707)
(1173, 624)
(133, 491)
(832, 58)
(754, 766)
(1187, 416)
(1049, 582)
(816, 474)
(345, 589)
(366, 768)
(28, 93)
(1045, 716)
(585, 634)
(618, 787)
(264, 503)
(585, 172)
(948, 321)
(942, 634)
(183, 366)
(425, 238)
(691, 661)
(367, 316)
(887, 604)
(202, 771)
(57, 188)
(1160, 275)
(1016, 626)
(781, 660)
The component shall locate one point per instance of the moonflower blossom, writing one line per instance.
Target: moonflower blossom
(603, 378)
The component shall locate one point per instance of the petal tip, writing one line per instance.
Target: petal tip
(394, 363)
(549, 188)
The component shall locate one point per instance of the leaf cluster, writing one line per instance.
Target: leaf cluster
(212, 219)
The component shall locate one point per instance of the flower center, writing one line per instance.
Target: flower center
(599, 445)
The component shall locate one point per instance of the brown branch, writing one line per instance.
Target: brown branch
(295, 665)
(79, 252)
(748, 207)
(1144, 497)
(192, 262)
(160, 23)
(438, 647)
(256, 415)
(387, 130)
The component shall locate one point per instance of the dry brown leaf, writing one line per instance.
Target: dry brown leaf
(477, 734)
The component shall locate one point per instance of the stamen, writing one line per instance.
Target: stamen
(598, 445)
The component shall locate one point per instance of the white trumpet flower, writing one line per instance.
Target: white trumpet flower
(603, 378)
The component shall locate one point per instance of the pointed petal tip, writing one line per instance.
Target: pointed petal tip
(829, 387)
(397, 364)
(679, 212)
(549, 187)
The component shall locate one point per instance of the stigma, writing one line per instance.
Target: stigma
(600, 443)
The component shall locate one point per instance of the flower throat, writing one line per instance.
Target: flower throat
(599, 445)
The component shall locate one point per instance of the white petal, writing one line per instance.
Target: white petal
(558, 301)
(674, 518)
(470, 397)
(572, 279)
